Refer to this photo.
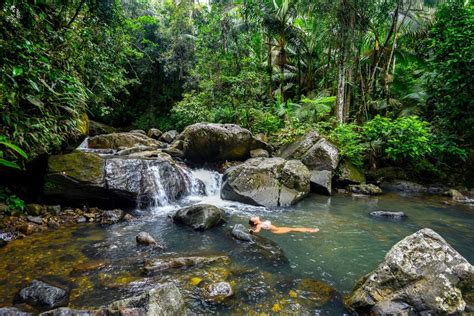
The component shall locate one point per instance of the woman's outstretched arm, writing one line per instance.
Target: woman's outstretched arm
(257, 229)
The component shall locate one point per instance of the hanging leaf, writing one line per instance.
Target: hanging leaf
(9, 164)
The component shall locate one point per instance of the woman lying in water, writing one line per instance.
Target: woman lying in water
(258, 225)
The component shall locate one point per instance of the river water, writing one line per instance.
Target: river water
(100, 265)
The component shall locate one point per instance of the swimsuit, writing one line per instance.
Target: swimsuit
(266, 225)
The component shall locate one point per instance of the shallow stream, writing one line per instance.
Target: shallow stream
(100, 265)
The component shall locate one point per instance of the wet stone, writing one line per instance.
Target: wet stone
(388, 214)
(54, 209)
(35, 219)
(13, 311)
(168, 263)
(218, 291)
(41, 294)
(111, 217)
(144, 238)
(64, 311)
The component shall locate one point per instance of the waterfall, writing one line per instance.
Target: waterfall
(211, 180)
(160, 196)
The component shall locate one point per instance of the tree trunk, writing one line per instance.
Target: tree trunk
(270, 68)
(341, 91)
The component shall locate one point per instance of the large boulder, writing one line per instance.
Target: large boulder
(200, 216)
(113, 181)
(117, 140)
(43, 295)
(420, 274)
(204, 142)
(319, 155)
(267, 182)
(163, 300)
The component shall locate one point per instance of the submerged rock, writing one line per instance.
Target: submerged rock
(267, 248)
(43, 295)
(117, 140)
(319, 155)
(267, 182)
(218, 142)
(200, 216)
(420, 274)
(163, 300)
(366, 189)
(217, 292)
(167, 263)
(388, 214)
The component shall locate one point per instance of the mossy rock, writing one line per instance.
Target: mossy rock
(79, 166)
(347, 173)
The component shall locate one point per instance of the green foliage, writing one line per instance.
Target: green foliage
(350, 143)
(15, 205)
(53, 65)
(402, 139)
(10, 150)
(449, 50)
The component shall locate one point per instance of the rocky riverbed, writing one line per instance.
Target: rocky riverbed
(138, 223)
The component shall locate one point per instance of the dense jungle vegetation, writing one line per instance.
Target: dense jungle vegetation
(390, 81)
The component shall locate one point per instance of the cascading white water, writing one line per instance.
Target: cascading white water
(160, 198)
(212, 181)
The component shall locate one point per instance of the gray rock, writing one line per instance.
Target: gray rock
(218, 142)
(41, 294)
(454, 194)
(81, 220)
(154, 133)
(163, 300)
(267, 182)
(388, 214)
(144, 238)
(218, 292)
(13, 311)
(117, 140)
(259, 153)
(421, 273)
(35, 219)
(111, 216)
(200, 216)
(241, 233)
(54, 209)
(366, 189)
(65, 311)
(168, 263)
(138, 131)
(114, 181)
(265, 247)
(321, 181)
(136, 149)
(96, 128)
(319, 155)
(169, 136)
(403, 186)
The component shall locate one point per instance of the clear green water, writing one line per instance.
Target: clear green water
(349, 245)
